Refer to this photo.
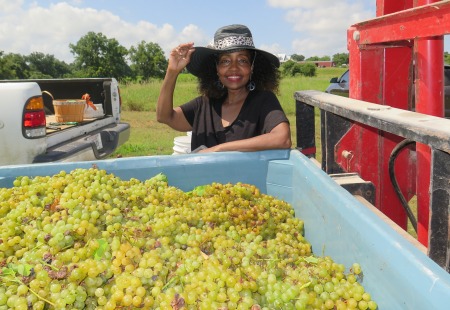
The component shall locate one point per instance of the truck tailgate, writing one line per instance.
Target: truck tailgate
(90, 140)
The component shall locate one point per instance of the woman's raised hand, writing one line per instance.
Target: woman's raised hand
(180, 56)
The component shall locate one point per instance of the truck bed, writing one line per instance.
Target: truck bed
(92, 138)
(53, 126)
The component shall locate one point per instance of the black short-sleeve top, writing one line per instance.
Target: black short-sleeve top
(260, 113)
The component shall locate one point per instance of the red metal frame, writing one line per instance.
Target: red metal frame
(401, 47)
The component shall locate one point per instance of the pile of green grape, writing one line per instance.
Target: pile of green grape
(90, 240)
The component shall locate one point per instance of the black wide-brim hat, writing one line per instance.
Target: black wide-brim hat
(226, 40)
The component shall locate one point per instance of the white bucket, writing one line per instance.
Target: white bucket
(89, 112)
(182, 145)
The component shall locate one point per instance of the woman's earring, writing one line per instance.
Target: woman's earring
(251, 86)
(219, 84)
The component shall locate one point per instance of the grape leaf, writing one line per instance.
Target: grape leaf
(102, 247)
(199, 190)
(22, 269)
(311, 259)
(7, 272)
(160, 177)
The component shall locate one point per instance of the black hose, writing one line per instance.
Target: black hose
(399, 193)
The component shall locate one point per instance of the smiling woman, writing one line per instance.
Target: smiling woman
(149, 137)
(238, 109)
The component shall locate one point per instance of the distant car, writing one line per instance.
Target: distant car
(340, 86)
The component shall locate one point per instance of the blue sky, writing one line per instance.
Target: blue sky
(309, 28)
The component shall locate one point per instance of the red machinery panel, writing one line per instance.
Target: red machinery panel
(396, 60)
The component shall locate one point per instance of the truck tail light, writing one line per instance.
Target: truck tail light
(34, 118)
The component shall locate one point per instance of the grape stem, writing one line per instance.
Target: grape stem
(305, 285)
(40, 297)
(38, 245)
(49, 265)
(168, 284)
(16, 280)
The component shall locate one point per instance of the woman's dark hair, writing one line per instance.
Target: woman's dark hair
(265, 76)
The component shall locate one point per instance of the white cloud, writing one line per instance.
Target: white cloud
(9, 6)
(309, 47)
(51, 30)
(273, 48)
(322, 24)
(286, 4)
(340, 16)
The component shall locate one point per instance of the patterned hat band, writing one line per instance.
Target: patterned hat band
(227, 39)
(232, 41)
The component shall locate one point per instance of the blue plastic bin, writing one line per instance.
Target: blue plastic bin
(396, 273)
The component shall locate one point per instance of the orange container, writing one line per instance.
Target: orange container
(69, 110)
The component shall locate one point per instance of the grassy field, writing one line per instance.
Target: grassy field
(148, 137)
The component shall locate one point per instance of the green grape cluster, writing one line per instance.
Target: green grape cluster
(90, 240)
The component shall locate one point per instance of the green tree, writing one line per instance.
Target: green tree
(148, 60)
(296, 57)
(447, 58)
(340, 59)
(286, 68)
(46, 66)
(292, 68)
(308, 69)
(13, 66)
(6, 70)
(313, 58)
(325, 58)
(98, 56)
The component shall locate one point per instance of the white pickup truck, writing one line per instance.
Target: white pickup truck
(29, 132)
